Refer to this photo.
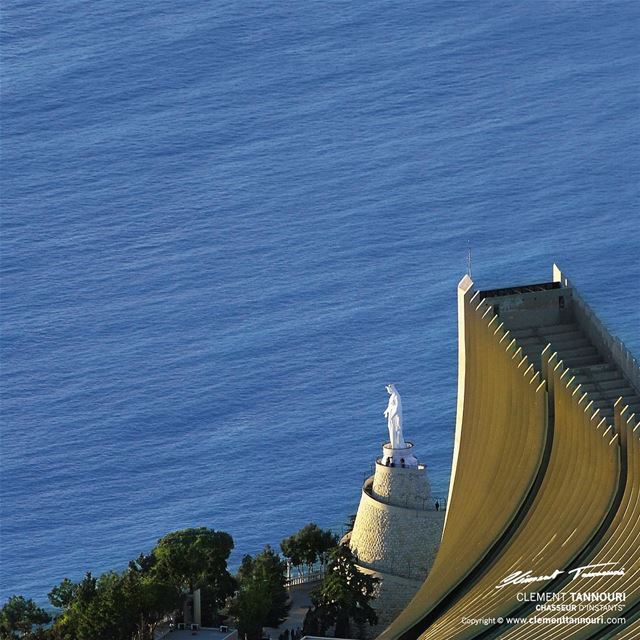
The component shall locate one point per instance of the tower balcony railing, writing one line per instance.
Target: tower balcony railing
(410, 569)
(420, 465)
(433, 503)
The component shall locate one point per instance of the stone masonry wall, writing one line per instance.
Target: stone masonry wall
(393, 595)
(402, 487)
(396, 536)
(395, 540)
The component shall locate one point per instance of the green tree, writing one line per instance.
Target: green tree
(143, 563)
(250, 609)
(317, 622)
(110, 614)
(63, 595)
(292, 550)
(270, 569)
(129, 605)
(116, 606)
(343, 597)
(73, 598)
(245, 571)
(151, 601)
(18, 616)
(308, 545)
(193, 559)
(262, 600)
(86, 589)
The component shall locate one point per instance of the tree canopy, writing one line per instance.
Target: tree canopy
(308, 545)
(114, 606)
(18, 617)
(343, 597)
(131, 603)
(262, 600)
(196, 558)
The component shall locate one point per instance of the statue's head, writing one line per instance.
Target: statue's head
(391, 389)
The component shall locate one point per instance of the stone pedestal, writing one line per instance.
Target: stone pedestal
(397, 530)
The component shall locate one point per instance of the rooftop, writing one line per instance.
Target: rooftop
(201, 634)
(527, 288)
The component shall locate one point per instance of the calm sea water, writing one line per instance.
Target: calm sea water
(227, 225)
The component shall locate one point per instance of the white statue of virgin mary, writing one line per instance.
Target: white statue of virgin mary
(393, 414)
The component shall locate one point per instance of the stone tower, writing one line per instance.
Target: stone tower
(397, 529)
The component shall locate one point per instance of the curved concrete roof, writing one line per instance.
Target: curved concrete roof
(545, 477)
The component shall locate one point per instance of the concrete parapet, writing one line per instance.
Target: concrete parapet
(609, 345)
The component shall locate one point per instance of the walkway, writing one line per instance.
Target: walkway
(300, 605)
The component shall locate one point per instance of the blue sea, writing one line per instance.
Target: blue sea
(227, 225)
